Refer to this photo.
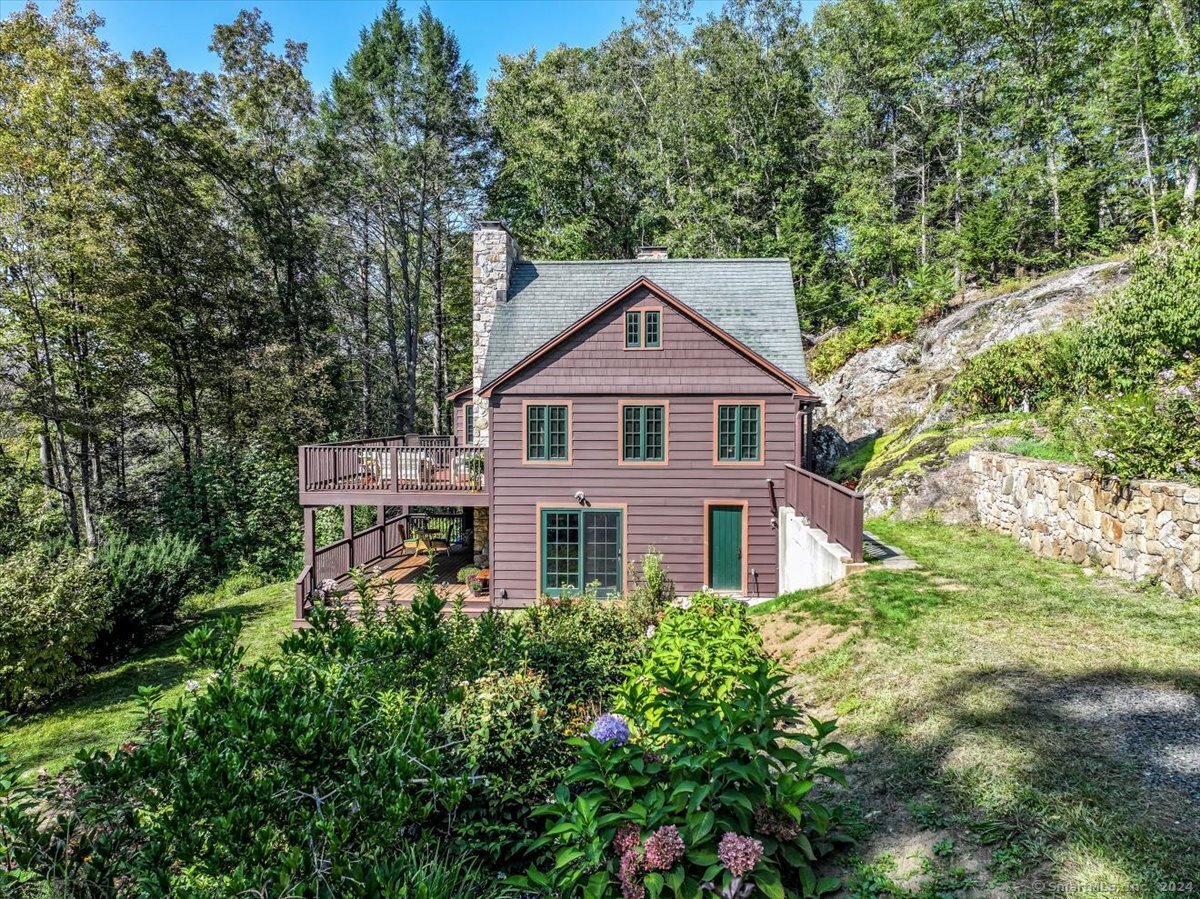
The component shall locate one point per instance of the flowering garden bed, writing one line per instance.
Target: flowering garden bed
(702, 781)
(585, 748)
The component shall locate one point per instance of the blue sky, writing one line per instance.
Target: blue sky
(485, 28)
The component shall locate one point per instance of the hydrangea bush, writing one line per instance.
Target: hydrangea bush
(703, 780)
(312, 773)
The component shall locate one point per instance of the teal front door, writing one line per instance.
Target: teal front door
(725, 547)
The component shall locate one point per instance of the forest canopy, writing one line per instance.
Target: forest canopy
(203, 269)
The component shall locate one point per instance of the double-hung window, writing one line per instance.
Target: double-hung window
(643, 329)
(469, 424)
(739, 432)
(580, 548)
(643, 433)
(547, 433)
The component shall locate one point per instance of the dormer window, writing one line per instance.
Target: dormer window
(643, 329)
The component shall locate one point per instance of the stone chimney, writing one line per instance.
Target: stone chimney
(649, 252)
(493, 256)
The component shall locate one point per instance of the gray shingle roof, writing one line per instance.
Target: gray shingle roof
(750, 299)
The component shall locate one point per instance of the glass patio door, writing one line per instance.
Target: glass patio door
(579, 548)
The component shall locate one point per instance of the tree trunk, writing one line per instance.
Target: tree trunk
(1182, 17)
(392, 339)
(1055, 206)
(1145, 135)
(439, 337)
(924, 210)
(46, 459)
(1189, 189)
(364, 415)
(959, 281)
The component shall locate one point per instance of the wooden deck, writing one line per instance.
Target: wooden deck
(401, 575)
(408, 470)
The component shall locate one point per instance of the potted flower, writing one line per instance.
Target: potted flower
(469, 575)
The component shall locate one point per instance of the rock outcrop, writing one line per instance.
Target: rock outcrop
(900, 383)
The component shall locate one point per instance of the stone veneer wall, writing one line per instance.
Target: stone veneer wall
(493, 254)
(1144, 529)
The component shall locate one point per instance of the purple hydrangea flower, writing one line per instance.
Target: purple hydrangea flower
(611, 729)
(628, 837)
(664, 848)
(630, 876)
(739, 854)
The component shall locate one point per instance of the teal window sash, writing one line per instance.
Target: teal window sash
(547, 433)
(643, 434)
(580, 547)
(653, 328)
(633, 329)
(739, 433)
(643, 329)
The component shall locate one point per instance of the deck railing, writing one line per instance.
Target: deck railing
(835, 509)
(394, 465)
(335, 560)
(332, 562)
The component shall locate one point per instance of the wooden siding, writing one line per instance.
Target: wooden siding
(460, 408)
(665, 504)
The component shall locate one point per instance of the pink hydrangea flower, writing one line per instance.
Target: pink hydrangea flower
(664, 848)
(628, 836)
(739, 854)
(632, 866)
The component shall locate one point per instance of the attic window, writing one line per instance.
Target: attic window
(643, 329)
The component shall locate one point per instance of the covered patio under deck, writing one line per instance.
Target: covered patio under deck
(399, 552)
(401, 574)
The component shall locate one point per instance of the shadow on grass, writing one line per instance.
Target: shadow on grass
(103, 710)
(1100, 772)
(156, 665)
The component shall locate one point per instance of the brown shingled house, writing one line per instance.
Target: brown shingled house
(614, 406)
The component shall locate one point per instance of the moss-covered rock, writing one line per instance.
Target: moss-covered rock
(914, 468)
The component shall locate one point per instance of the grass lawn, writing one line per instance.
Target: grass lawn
(1021, 726)
(104, 711)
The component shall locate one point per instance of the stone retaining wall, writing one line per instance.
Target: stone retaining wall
(1147, 529)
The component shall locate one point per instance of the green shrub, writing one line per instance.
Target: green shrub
(708, 635)
(146, 581)
(583, 644)
(1018, 375)
(707, 779)
(52, 609)
(467, 572)
(1151, 433)
(1151, 325)
(507, 730)
(310, 772)
(652, 590)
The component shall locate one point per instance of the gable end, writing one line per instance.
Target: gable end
(664, 296)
